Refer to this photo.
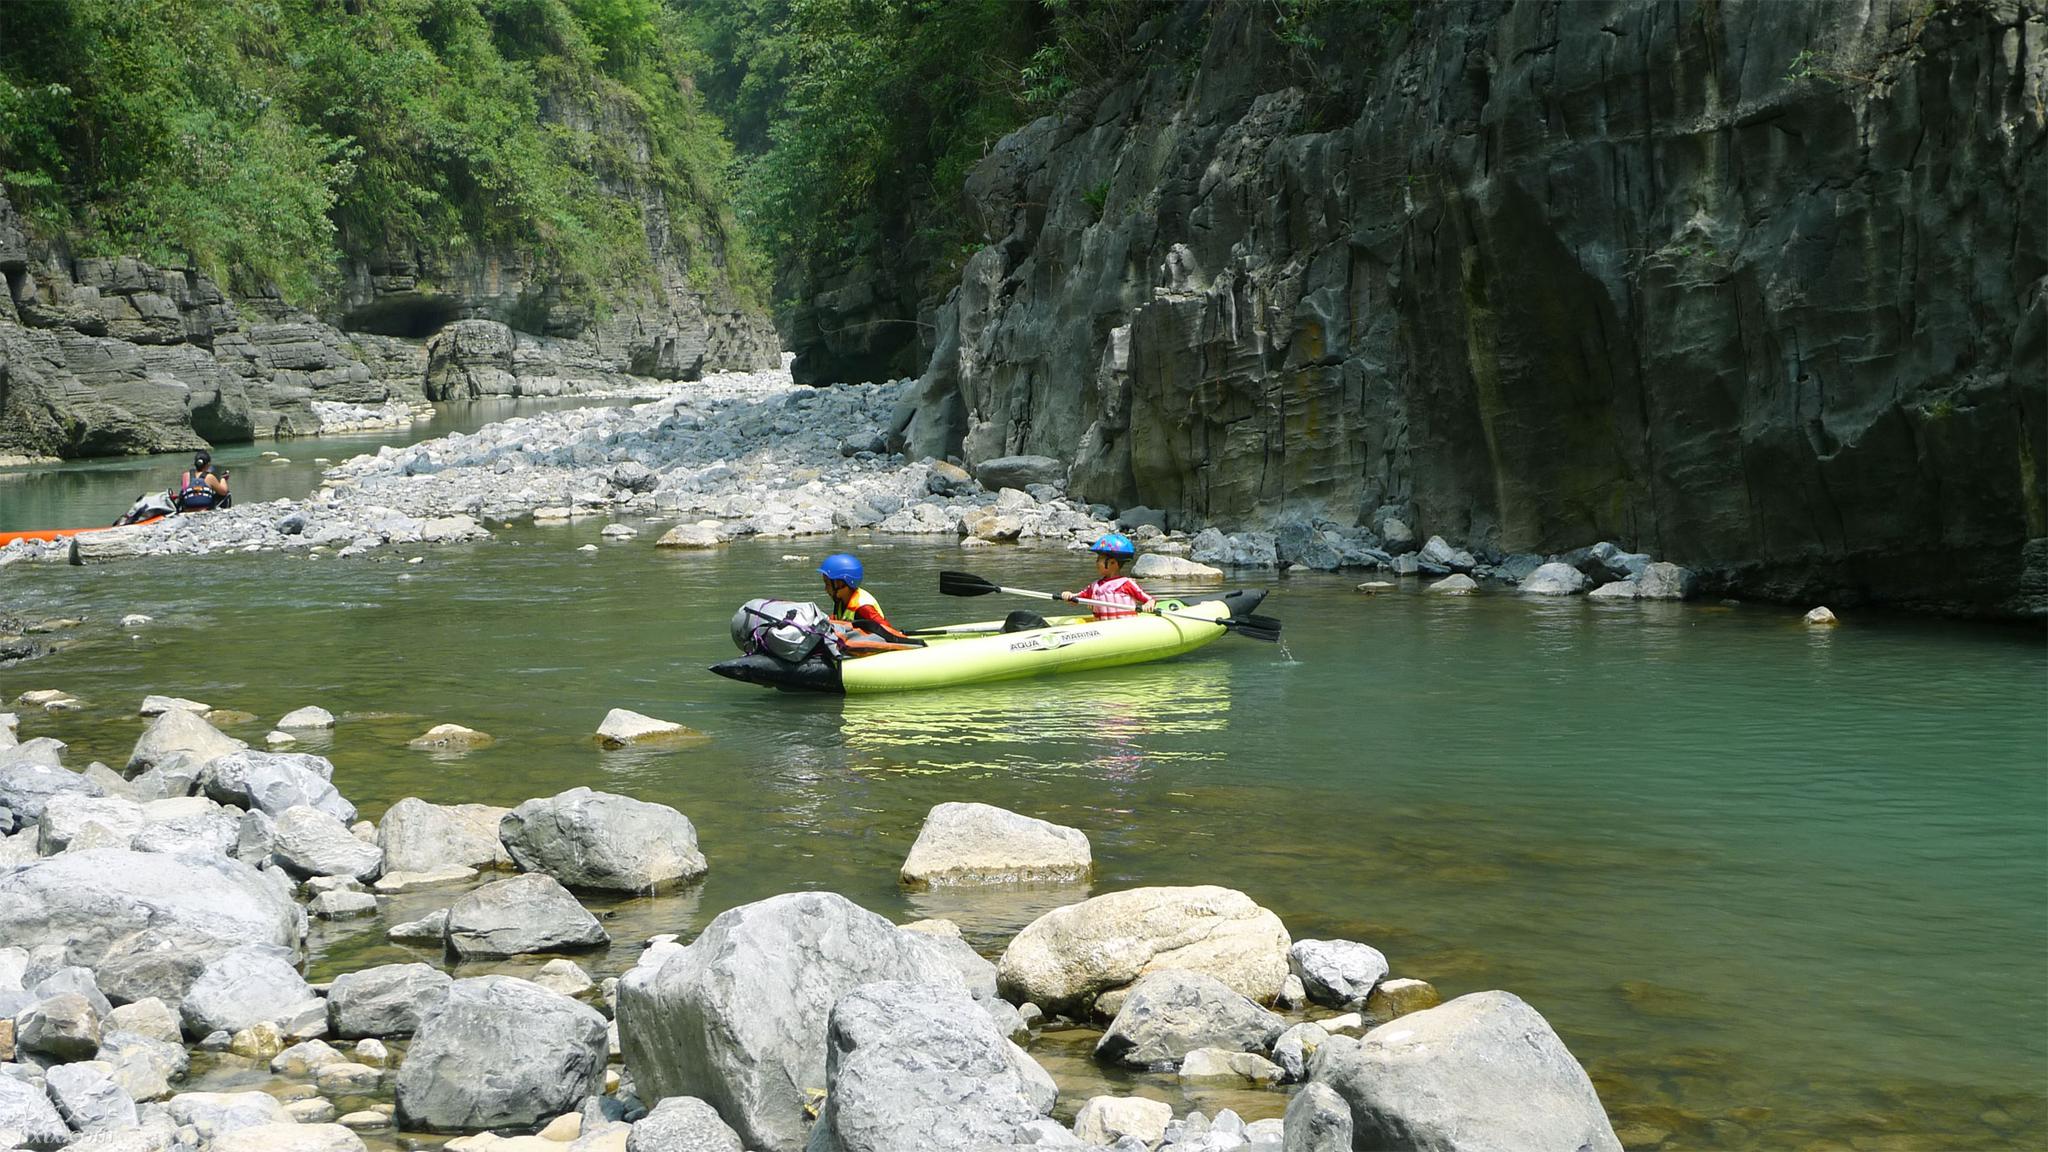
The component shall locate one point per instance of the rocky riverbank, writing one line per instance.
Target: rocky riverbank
(752, 454)
(112, 356)
(156, 919)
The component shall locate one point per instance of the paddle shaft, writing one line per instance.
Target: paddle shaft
(1107, 604)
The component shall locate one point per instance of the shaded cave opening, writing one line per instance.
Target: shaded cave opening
(413, 317)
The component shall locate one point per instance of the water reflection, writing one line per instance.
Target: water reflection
(1113, 713)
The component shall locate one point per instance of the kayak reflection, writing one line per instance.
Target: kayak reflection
(1142, 711)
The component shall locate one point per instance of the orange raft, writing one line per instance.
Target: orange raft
(7, 538)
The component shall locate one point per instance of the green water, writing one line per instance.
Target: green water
(1776, 887)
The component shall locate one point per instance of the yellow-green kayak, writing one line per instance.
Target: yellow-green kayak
(980, 653)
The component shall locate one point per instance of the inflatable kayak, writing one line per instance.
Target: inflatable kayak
(7, 538)
(983, 652)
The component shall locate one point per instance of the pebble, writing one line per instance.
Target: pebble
(1822, 618)
(279, 739)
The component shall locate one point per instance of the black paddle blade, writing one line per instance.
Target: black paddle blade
(964, 584)
(1251, 628)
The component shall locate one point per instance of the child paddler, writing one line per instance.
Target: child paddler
(1120, 595)
(856, 607)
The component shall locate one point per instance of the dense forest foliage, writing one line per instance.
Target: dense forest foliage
(265, 138)
(858, 120)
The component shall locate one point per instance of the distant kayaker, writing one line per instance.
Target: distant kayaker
(1113, 553)
(202, 487)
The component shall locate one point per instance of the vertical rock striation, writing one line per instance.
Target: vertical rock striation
(1758, 288)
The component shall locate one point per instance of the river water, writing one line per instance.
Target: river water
(1776, 887)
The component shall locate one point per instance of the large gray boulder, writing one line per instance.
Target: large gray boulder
(1066, 958)
(144, 1066)
(916, 1066)
(27, 786)
(179, 731)
(144, 922)
(419, 837)
(1337, 973)
(45, 750)
(1663, 581)
(982, 844)
(241, 987)
(215, 1114)
(590, 839)
(290, 1138)
(1317, 1120)
(1553, 579)
(683, 1124)
(523, 914)
(1170, 1013)
(1482, 1073)
(384, 1001)
(68, 814)
(499, 1052)
(272, 782)
(64, 1026)
(89, 1098)
(1020, 472)
(187, 824)
(176, 775)
(738, 1018)
(311, 842)
(26, 1110)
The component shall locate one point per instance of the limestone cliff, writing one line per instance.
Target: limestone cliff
(1756, 287)
(104, 356)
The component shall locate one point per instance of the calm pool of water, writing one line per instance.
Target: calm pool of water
(1776, 887)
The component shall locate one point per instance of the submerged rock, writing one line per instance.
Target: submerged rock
(622, 727)
(451, 737)
(964, 843)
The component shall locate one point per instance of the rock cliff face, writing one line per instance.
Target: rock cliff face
(113, 356)
(1760, 288)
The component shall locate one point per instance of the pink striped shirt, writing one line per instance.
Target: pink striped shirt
(1116, 590)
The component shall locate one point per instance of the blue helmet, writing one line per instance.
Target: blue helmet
(1115, 544)
(842, 566)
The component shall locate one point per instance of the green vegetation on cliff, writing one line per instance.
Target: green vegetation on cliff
(265, 138)
(859, 120)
